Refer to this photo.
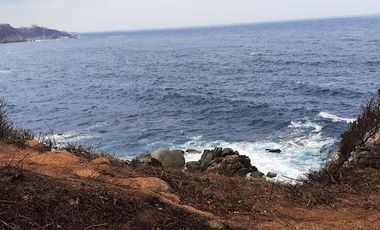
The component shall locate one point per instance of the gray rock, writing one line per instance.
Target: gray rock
(255, 175)
(218, 152)
(227, 152)
(273, 150)
(170, 158)
(207, 157)
(271, 174)
(231, 165)
(146, 159)
(193, 151)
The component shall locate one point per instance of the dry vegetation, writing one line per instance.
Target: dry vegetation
(366, 125)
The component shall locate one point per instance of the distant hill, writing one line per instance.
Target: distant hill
(10, 34)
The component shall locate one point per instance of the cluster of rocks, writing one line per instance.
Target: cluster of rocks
(224, 162)
(365, 156)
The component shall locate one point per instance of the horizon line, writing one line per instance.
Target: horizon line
(228, 24)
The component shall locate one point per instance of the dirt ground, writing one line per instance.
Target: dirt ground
(58, 190)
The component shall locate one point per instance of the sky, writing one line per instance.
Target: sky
(116, 15)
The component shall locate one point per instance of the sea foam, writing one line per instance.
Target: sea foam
(335, 118)
(300, 154)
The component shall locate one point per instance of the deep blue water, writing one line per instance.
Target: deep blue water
(292, 85)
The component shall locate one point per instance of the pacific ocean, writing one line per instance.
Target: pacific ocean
(289, 85)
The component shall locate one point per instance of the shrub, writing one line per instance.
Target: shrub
(9, 133)
(359, 131)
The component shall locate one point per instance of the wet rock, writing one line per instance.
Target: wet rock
(207, 157)
(224, 162)
(273, 150)
(271, 175)
(170, 158)
(193, 151)
(227, 152)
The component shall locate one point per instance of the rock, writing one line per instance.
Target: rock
(273, 150)
(207, 157)
(222, 161)
(231, 165)
(271, 174)
(146, 159)
(193, 166)
(170, 158)
(255, 175)
(193, 151)
(227, 152)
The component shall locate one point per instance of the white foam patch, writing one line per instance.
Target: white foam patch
(66, 137)
(335, 118)
(299, 154)
(5, 71)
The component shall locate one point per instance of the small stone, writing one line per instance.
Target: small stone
(193, 151)
(271, 174)
(273, 150)
(255, 175)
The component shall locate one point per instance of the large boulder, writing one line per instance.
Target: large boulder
(170, 158)
(222, 161)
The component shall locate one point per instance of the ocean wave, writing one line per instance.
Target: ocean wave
(66, 137)
(300, 153)
(5, 71)
(335, 118)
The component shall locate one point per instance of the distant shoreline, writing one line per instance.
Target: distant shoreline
(9, 34)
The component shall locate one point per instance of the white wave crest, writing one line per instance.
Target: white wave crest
(5, 71)
(66, 137)
(335, 118)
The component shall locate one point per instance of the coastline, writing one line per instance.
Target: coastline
(78, 187)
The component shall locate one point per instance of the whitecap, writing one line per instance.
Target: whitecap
(5, 71)
(67, 137)
(254, 54)
(307, 124)
(335, 118)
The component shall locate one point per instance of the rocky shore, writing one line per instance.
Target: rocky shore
(74, 187)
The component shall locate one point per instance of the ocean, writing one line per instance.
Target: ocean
(289, 85)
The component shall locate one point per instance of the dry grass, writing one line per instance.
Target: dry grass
(32, 201)
(9, 133)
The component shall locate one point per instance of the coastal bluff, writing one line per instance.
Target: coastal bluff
(9, 34)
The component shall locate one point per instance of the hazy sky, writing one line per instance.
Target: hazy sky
(106, 15)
